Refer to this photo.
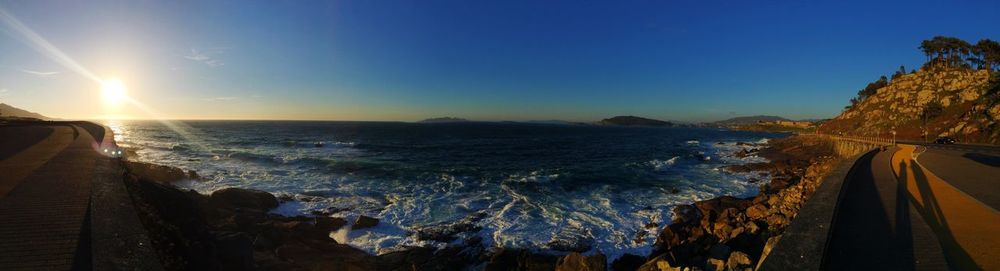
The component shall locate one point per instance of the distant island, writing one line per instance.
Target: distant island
(443, 120)
(749, 120)
(633, 121)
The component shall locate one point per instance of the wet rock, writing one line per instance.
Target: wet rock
(329, 224)
(364, 222)
(577, 262)
(446, 232)
(244, 198)
(571, 239)
(686, 213)
(570, 244)
(628, 262)
(518, 259)
(158, 173)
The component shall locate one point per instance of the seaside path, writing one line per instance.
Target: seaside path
(876, 227)
(46, 197)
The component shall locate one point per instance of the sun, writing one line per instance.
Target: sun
(114, 91)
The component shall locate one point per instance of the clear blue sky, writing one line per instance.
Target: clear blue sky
(500, 60)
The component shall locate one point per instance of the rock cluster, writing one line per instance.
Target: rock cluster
(728, 233)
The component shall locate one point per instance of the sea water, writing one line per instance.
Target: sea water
(524, 185)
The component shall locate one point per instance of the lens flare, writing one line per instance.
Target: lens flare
(114, 92)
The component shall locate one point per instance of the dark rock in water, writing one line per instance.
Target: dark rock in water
(572, 244)
(329, 224)
(577, 262)
(571, 239)
(741, 143)
(519, 259)
(160, 174)
(628, 262)
(318, 144)
(364, 222)
(244, 198)
(746, 152)
(720, 143)
(446, 232)
(686, 213)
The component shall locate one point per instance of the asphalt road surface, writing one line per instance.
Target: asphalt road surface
(975, 170)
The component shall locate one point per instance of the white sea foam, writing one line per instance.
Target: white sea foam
(660, 165)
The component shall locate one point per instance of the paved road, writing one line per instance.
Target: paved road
(973, 171)
(44, 198)
(947, 187)
(876, 227)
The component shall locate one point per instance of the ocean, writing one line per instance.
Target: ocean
(545, 187)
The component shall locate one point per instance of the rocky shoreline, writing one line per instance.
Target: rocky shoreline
(232, 228)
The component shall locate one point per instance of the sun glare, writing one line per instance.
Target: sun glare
(114, 91)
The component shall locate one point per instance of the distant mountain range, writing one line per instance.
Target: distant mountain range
(10, 111)
(633, 121)
(749, 120)
(443, 120)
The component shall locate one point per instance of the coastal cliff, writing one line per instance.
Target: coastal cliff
(966, 108)
(956, 93)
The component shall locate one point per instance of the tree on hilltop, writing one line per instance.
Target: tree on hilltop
(946, 52)
(986, 53)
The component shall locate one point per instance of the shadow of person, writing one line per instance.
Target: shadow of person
(957, 257)
(861, 233)
(902, 243)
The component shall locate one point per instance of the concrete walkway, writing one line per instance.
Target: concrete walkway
(44, 212)
(63, 202)
(876, 227)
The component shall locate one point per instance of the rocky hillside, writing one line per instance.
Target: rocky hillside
(10, 111)
(946, 102)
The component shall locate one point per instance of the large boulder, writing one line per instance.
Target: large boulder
(244, 198)
(158, 173)
(577, 262)
(364, 222)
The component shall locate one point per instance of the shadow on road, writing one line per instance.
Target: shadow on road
(985, 159)
(958, 258)
(866, 232)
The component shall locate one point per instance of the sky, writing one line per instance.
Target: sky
(481, 60)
